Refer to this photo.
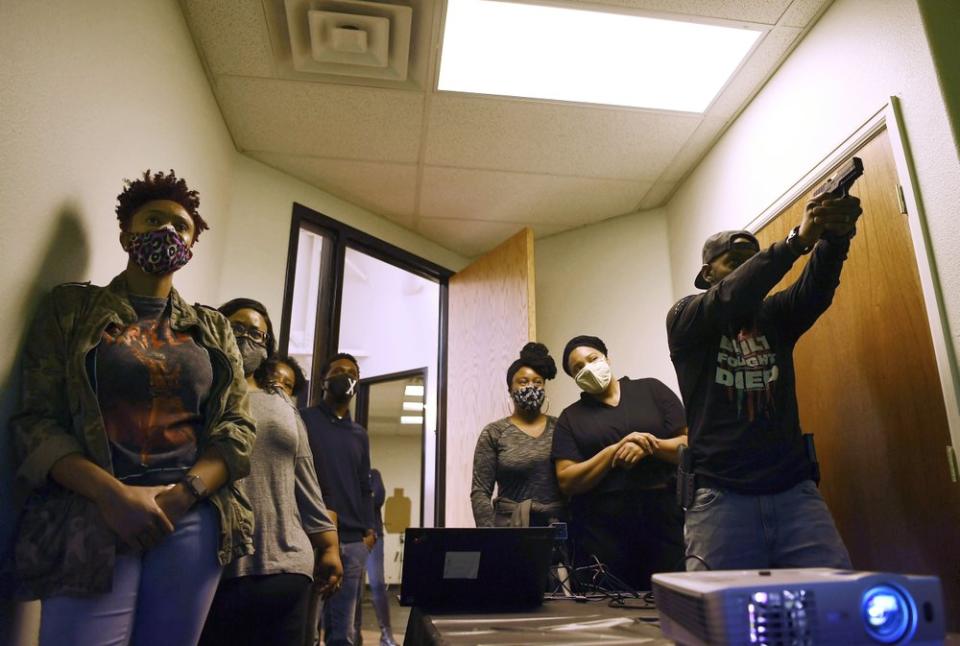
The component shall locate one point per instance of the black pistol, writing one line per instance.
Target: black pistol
(838, 185)
(686, 479)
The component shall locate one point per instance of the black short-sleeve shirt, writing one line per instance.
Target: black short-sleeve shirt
(587, 426)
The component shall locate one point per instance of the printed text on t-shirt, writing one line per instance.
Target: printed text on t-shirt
(747, 366)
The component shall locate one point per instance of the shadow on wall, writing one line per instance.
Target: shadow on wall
(66, 259)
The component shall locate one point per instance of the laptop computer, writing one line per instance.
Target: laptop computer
(475, 569)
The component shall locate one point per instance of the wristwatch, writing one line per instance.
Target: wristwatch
(793, 241)
(195, 486)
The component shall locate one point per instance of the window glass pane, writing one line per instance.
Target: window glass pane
(306, 288)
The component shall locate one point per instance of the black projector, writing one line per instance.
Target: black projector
(796, 607)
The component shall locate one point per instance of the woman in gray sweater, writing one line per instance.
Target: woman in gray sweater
(514, 452)
(263, 598)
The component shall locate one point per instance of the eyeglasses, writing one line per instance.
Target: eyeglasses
(254, 334)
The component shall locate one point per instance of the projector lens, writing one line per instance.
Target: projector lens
(887, 614)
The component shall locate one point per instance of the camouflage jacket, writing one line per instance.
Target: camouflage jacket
(63, 545)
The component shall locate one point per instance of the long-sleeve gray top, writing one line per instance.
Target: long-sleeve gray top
(283, 491)
(519, 464)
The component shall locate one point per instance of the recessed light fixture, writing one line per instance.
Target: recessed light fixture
(411, 419)
(413, 406)
(548, 52)
(412, 390)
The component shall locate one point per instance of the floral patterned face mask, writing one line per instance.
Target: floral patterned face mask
(529, 398)
(158, 252)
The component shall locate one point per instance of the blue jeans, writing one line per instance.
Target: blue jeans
(339, 610)
(378, 591)
(159, 597)
(790, 529)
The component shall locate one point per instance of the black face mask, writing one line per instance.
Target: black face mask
(341, 387)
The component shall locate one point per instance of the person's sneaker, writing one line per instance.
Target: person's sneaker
(386, 638)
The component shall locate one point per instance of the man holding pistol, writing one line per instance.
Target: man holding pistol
(755, 503)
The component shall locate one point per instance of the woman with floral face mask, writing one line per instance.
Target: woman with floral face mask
(264, 598)
(514, 452)
(131, 434)
(615, 452)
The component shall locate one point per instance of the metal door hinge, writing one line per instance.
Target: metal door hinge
(952, 461)
(901, 201)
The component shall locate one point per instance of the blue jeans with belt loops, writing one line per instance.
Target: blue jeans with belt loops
(159, 597)
(790, 529)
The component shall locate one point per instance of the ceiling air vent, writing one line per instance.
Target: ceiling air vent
(350, 38)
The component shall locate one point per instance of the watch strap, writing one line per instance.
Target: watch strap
(194, 485)
(793, 241)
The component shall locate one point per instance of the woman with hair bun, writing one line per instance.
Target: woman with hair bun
(514, 452)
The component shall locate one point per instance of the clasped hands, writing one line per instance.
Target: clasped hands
(142, 516)
(633, 448)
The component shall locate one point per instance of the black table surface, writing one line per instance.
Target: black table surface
(560, 621)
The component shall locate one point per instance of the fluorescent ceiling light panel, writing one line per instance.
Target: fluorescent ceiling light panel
(411, 419)
(413, 406)
(545, 52)
(413, 391)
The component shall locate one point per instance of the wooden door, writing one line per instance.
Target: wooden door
(491, 316)
(868, 388)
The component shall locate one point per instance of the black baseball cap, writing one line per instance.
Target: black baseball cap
(720, 243)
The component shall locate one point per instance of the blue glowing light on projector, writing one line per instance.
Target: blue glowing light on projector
(887, 614)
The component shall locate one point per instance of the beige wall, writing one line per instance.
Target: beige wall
(857, 55)
(93, 92)
(610, 280)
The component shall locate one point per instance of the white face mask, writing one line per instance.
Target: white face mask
(594, 377)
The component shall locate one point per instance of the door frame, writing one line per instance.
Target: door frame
(362, 417)
(329, 301)
(890, 117)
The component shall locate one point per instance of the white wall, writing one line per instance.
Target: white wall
(93, 92)
(398, 459)
(610, 280)
(857, 55)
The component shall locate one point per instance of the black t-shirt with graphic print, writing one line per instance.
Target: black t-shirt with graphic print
(588, 426)
(152, 383)
(732, 347)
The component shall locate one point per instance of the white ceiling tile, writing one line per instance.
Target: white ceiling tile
(386, 189)
(322, 120)
(540, 137)
(657, 196)
(692, 151)
(802, 12)
(754, 73)
(762, 11)
(232, 35)
(472, 238)
(454, 193)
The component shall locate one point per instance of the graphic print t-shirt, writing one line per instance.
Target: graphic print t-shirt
(152, 384)
(732, 347)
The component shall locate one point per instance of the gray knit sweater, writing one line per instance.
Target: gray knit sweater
(283, 490)
(520, 466)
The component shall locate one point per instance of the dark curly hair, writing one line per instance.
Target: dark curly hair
(264, 374)
(159, 186)
(537, 357)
